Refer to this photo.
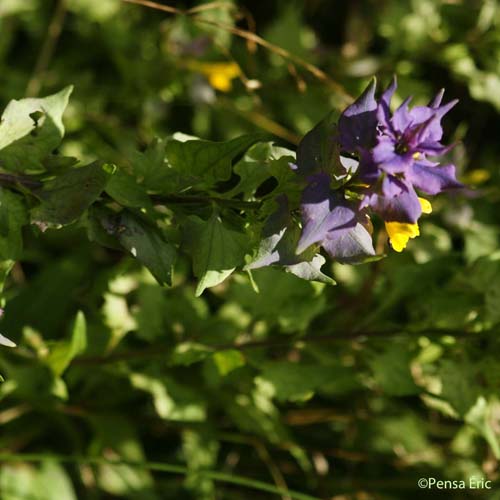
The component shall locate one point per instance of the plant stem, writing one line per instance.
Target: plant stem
(344, 97)
(196, 200)
(155, 351)
(14, 181)
(157, 6)
(47, 50)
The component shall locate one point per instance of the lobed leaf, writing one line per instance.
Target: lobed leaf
(30, 129)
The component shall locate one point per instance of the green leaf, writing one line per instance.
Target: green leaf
(311, 271)
(151, 317)
(97, 11)
(391, 369)
(295, 381)
(57, 164)
(318, 151)
(200, 452)
(30, 129)
(458, 385)
(11, 7)
(23, 483)
(187, 353)
(284, 299)
(261, 161)
(228, 360)
(95, 224)
(123, 188)
(13, 216)
(65, 198)
(146, 243)
(215, 249)
(5, 268)
(116, 315)
(117, 433)
(49, 300)
(405, 431)
(482, 416)
(208, 162)
(172, 401)
(150, 167)
(64, 352)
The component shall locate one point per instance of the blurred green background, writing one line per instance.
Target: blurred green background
(346, 392)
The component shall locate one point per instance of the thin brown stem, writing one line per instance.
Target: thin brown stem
(209, 6)
(274, 470)
(157, 6)
(204, 200)
(18, 181)
(276, 342)
(344, 96)
(262, 121)
(47, 51)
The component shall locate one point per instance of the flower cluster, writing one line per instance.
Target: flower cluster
(393, 155)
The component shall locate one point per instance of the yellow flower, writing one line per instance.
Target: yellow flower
(219, 74)
(426, 205)
(401, 232)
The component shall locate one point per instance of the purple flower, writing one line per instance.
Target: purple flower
(394, 156)
(335, 223)
(358, 122)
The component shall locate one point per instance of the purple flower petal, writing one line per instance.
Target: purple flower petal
(436, 101)
(435, 148)
(432, 179)
(402, 118)
(322, 211)
(357, 124)
(442, 110)
(392, 186)
(421, 114)
(349, 244)
(385, 156)
(421, 132)
(389, 92)
(384, 109)
(402, 208)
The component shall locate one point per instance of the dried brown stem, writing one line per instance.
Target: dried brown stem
(47, 50)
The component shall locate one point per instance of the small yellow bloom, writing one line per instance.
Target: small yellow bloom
(219, 74)
(401, 232)
(426, 205)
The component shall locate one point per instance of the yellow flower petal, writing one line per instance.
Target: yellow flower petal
(220, 82)
(426, 205)
(400, 233)
(219, 74)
